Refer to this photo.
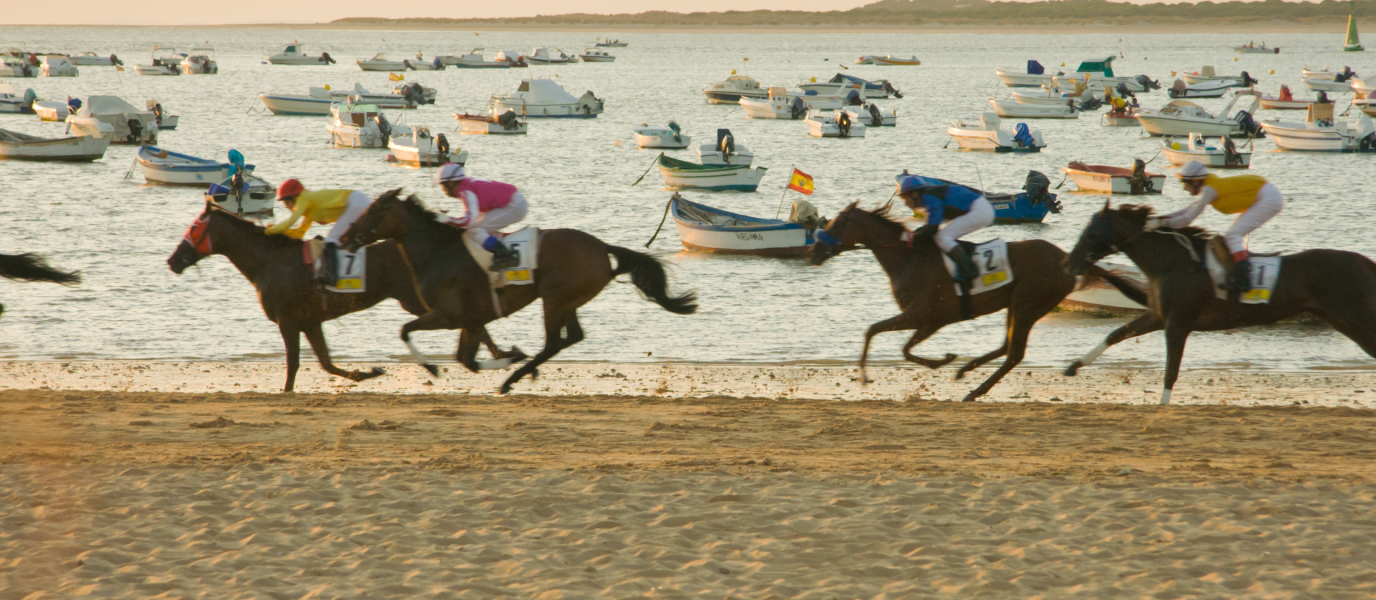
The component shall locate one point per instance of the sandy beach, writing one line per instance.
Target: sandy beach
(718, 491)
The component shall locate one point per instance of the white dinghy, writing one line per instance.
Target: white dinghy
(91, 59)
(475, 60)
(1207, 74)
(1182, 117)
(12, 103)
(295, 54)
(360, 126)
(1116, 180)
(513, 58)
(544, 98)
(131, 125)
(1285, 101)
(420, 148)
(872, 115)
(593, 55)
(1221, 155)
(1054, 96)
(1205, 89)
(166, 62)
(670, 137)
(380, 62)
(1330, 86)
(165, 121)
(543, 56)
(58, 66)
(986, 134)
(784, 105)
(163, 167)
(833, 123)
(410, 95)
(727, 151)
(702, 228)
(317, 103)
(87, 145)
(503, 124)
(1016, 110)
(1321, 132)
(1034, 76)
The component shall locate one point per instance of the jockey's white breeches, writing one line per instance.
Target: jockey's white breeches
(980, 215)
(358, 204)
(1269, 204)
(481, 228)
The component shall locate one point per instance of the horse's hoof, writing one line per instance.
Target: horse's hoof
(1073, 369)
(961, 373)
(534, 374)
(505, 389)
(516, 355)
(378, 371)
(949, 357)
(969, 398)
(434, 371)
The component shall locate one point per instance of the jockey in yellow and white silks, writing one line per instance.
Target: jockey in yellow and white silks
(340, 207)
(1254, 200)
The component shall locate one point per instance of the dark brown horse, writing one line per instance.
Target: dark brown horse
(925, 291)
(1336, 286)
(286, 285)
(31, 267)
(573, 268)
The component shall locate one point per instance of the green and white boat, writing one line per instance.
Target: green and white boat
(683, 175)
(1353, 44)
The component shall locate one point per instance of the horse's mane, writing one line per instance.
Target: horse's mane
(881, 215)
(251, 226)
(418, 210)
(1143, 212)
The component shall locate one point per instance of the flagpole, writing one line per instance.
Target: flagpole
(785, 191)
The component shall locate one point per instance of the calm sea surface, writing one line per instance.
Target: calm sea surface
(120, 232)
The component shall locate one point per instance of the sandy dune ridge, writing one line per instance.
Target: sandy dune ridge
(366, 495)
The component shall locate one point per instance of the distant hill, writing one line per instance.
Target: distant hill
(890, 13)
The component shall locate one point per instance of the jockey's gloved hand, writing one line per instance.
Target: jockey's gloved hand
(927, 230)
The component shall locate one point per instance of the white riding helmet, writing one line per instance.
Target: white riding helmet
(449, 172)
(1193, 170)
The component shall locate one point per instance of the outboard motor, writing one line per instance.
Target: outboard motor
(843, 124)
(1148, 84)
(1023, 135)
(1138, 183)
(135, 130)
(855, 98)
(1249, 125)
(678, 138)
(114, 60)
(876, 119)
(73, 105)
(1178, 89)
(888, 87)
(1231, 157)
(326, 58)
(406, 65)
(1247, 80)
(797, 108)
(726, 143)
(1123, 91)
(442, 145)
(29, 98)
(508, 120)
(414, 94)
(1091, 104)
(383, 126)
(157, 113)
(1038, 188)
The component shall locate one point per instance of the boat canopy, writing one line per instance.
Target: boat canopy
(1097, 66)
(545, 91)
(108, 105)
(843, 78)
(1035, 68)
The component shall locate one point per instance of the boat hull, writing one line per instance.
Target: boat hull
(1112, 120)
(350, 136)
(72, 149)
(1285, 104)
(184, 174)
(548, 111)
(296, 60)
(721, 97)
(296, 105)
(767, 238)
(1023, 80)
(487, 127)
(738, 179)
(160, 71)
(381, 66)
(1158, 126)
(1313, 140)
(969, 139)
(1090, 181)
(1015, 110)
(1253, 50)
(1328, 85)
(413, 156)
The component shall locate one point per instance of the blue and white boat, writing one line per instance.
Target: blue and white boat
(683, 175)
(1028, 206)
(842, 83)
(317, 104)
(703, 228)
(11, 102)
(173, 168)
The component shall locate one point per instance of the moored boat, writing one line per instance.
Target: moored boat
(1321, 132)
(475, 60)
(131, 125)
(1203, 89)
(1222, 155)
(727, 151)
(543, 98)
(1285, 101)
(503, 124)
(681, 175)
(359, 126)
(19, 66)
(1034, 76)
(54, 110)
(543, 56)
(513, 58)
(1115, 180)
(1252, 48)
(254, 196)
(591, 55)
(420, 148)
(91, 59)
(1339, 85)
(841, 83)
(704, 228)
(295, 55)
(888, 60)
(1098, 73)
(200, 61)
(987, 134)
(872, 115)
(58, 66)
(87, 145)
(380, 62)
(1028, 206)
(13, 103)
(833, 123)
(1017, 110)
(173, 168)
(1100, 297)
(166, 62)
(1207, 74)
(731, 90)
(612, 44)
(784, 105)
(670, 137)
(1182, 117)
(317, 103)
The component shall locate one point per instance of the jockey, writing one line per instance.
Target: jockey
(490, 206)
(341, 207)
(969, 215)
(1250, 197)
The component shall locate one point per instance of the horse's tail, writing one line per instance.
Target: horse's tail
(31, 267)
(1123, 284)
(647, 273)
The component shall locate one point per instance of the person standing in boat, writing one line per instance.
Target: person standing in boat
(967, 215)
(340, 207)
(489, 206)
(1253, 199)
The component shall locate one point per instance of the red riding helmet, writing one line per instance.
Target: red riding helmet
(290, 188)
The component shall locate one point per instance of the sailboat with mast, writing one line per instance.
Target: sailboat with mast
(1353, 44)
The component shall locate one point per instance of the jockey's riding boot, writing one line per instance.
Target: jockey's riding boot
(966, 271)
(503, 257)
(1240, 279)
(329, 272)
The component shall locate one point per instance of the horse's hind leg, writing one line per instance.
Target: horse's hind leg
(427, 322)
(291, 337)
(1018, 330)
(918, 337)
(1176, 334)
(554, 342)
(976, 363)
(316, 337)
(1142, 325)
(901, 322)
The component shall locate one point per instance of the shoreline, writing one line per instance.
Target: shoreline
(1026, 28)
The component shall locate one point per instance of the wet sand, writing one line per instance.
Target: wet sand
(401, 494)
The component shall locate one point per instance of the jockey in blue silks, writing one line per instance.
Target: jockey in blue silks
(966, 211)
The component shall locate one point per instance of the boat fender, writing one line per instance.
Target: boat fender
(442, 144)
(135, 130)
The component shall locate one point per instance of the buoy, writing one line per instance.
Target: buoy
(733, 71)
(1062, 64)
(1172, 73)
(1273, 71)
(814, 80)
(1234, 59)
(747, 59)
(327, 87)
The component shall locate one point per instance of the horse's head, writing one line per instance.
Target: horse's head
(1107, 230)
(195, 244)
(381, 221)
(848, 229)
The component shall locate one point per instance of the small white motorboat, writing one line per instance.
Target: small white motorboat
(543, 56)
(1252, 48)
(131, 125)
(784, 105)
(91, 59)
(513, 58)
(51, 110)
(1115, 180)
(1321, 132)
(889, 60)
(380, 62)
(58, 66)
(16, 66)
(87, 145)
(841, 83)
(725, 152)
(504, 124)
(12, 103)
(295, 54)
(733, 89)
(420, 148)
(1180, 118)
(833, 123)
(1126, 117)
(1205, 89)
(612, 44)
(544, 98)
(166, 122)
(1207, 74)
(403, 96)
(702, 228)
(1034, 76)
(1324, 73)
(592, 55)
(670, 137)
(1099, 73)
(872, 115)
(1016, 110)
(360, 126)
(200, 61)
(682, 175)
(173, 168)
(986, 134)
(317, 103)
(166, 62)
(1331, 86)
(439, 63)
(1054, 96)
(475, 60)
(1285, 101)
(1221, 155)
(255, 196)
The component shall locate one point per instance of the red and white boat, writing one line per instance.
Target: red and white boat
(1111, 180)
(1285, 101)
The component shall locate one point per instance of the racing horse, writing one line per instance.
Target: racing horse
(572, 269)
(31, 267)
(286, 285)
(1334, 285)
(925, 291)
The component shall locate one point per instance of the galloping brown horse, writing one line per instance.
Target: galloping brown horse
(286, 285)
(925, 291)
(573, 269)
(31, 267)
(1336, 286)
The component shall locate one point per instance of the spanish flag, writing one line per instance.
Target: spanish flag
(800, 182)
(396, 77)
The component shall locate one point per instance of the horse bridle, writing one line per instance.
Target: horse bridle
(198, 235)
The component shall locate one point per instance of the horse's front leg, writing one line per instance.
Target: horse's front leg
(316, 336)
(1142, 325)
(901, 322)
(920, 336)
(1176, 334)
(427, 322)
(291, 337)
(554, 342)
